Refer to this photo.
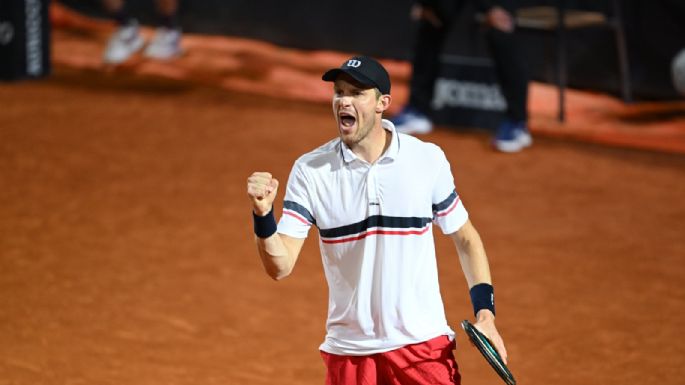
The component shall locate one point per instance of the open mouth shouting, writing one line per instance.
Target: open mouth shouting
(347, 121)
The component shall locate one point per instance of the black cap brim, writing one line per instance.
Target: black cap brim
(332, 75)
(364, 70)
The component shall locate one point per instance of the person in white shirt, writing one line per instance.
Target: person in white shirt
(374, 195)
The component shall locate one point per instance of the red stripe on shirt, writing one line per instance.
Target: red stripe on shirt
(449, 210)
(374, 232)
(296, 216)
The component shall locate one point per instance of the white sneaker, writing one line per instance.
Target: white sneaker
(123, 43)
(411, 121)
(165, 45)
(512, 137)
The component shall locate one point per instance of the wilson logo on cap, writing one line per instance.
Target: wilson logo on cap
(365, 70)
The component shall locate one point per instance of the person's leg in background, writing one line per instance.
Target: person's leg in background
(434, 21)
(512, 73)
(126, 39)
(166, 43)
(117, 10)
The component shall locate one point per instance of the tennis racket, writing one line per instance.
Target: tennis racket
(488, 351)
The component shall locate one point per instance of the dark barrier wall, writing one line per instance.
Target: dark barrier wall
(24, 39)
(655, 31)
(378, 27)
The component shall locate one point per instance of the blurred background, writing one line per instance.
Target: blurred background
(655, 32)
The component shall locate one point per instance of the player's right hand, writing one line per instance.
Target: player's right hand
(261, 189)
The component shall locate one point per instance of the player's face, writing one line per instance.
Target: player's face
(356, 109)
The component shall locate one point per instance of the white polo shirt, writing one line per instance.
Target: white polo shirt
(377, 247)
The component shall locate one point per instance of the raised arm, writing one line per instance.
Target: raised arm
(476, 269)
(277, 251)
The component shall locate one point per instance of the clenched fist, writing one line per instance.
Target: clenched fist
(262, 188)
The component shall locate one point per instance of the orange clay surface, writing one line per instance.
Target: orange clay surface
(127, 256)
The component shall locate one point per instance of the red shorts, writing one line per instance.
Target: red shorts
(430, 362)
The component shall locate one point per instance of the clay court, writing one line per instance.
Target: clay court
(127, 255)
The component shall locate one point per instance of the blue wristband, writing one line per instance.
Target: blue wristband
(264, 226)
(482, 297)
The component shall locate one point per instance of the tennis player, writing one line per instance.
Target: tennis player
(374, 196)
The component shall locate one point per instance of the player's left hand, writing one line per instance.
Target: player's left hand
(485, 322)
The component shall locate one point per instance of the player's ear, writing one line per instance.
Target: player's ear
(383, 103)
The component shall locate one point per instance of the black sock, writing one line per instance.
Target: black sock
(122, 17)
(168, 21)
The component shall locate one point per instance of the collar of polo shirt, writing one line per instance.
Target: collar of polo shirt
(391, 153)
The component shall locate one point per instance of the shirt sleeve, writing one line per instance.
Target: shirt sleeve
(449, 212)
(297, 216)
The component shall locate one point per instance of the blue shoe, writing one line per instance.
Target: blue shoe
(512, 137)
(411, 121)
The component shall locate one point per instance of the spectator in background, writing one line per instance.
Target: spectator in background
(127, 40)
(435, 18)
